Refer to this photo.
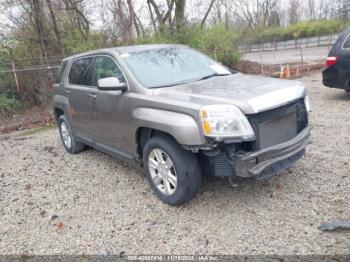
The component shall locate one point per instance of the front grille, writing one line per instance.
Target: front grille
(278, 125)
(277, 130)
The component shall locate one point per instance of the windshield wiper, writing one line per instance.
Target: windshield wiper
(184, 83)
(212, 75)
(175, 84)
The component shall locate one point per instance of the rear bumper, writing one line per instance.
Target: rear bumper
(272, 160)
(336, 77)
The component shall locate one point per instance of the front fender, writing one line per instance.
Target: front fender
(182, 127)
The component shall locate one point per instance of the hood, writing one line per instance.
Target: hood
(252, 94)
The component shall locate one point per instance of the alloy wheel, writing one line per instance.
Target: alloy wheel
(162, 171)
(66, 137)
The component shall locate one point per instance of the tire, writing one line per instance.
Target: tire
(72, 147)
(185, 169)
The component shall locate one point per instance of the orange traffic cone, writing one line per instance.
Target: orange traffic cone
(287, 73)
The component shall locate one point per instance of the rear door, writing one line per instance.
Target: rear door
(78, 90)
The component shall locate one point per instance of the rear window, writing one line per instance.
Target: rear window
(81, 72)
(347, 42)
(340, 43)
(58, 78)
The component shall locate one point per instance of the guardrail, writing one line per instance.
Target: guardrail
(325, 40)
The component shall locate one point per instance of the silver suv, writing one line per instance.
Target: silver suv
(180, 115)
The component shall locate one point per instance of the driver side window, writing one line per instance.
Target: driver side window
(106, 67)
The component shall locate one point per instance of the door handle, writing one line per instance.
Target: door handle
(67, 90)
(92, 95)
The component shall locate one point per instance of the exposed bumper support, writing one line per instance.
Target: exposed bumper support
(272, 160)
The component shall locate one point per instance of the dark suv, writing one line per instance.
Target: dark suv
(179, 114)
(337, 73)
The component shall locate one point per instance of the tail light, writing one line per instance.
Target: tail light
(332, 60)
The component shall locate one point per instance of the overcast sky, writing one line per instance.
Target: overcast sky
(194, 9)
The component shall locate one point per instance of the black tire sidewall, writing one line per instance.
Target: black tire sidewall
(186, 166)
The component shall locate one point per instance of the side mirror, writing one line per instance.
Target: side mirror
(111, 83)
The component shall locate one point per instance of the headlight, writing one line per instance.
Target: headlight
(307, 103)
(225, 121)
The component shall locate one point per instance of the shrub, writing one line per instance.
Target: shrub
(8, 104)
(299, 30)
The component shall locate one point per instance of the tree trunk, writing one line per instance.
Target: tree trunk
(179, 13)
(79, 18)
(131, 21)
(152, 17)
(38, 17)
(136, 26)
(55, 28)
(159, 16)
(207, 13)
(138, 21)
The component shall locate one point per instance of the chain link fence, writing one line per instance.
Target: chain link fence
(263, 46)
(27, 81)
(286, 59)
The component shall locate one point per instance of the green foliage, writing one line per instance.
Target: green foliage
(9, 104)
(6, 79)
(216, 41)
(299, 30)
(75, 42)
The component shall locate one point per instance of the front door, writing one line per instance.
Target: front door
(110, 110)
(78, 90)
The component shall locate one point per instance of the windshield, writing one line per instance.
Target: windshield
(171, 66)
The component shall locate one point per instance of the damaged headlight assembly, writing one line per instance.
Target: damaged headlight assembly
(225, 121)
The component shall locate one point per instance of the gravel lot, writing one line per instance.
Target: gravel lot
(55, 203)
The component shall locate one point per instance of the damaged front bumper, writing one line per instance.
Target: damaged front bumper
(272, 160)
(260, 164)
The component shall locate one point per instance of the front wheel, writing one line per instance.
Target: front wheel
(172, 171)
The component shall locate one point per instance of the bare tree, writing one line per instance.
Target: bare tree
(38, 17)
(55, 27)
(311, 8)
(207, 13)
(138, 25)
(274, 18)
(77, 16)
(343, 9)
(162, 15)
(255, 13)
(294, 11)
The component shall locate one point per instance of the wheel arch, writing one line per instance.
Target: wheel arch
(61, 106)
(143, 134)
(58, 113)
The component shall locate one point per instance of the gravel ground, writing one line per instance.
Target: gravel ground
(55, 203)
